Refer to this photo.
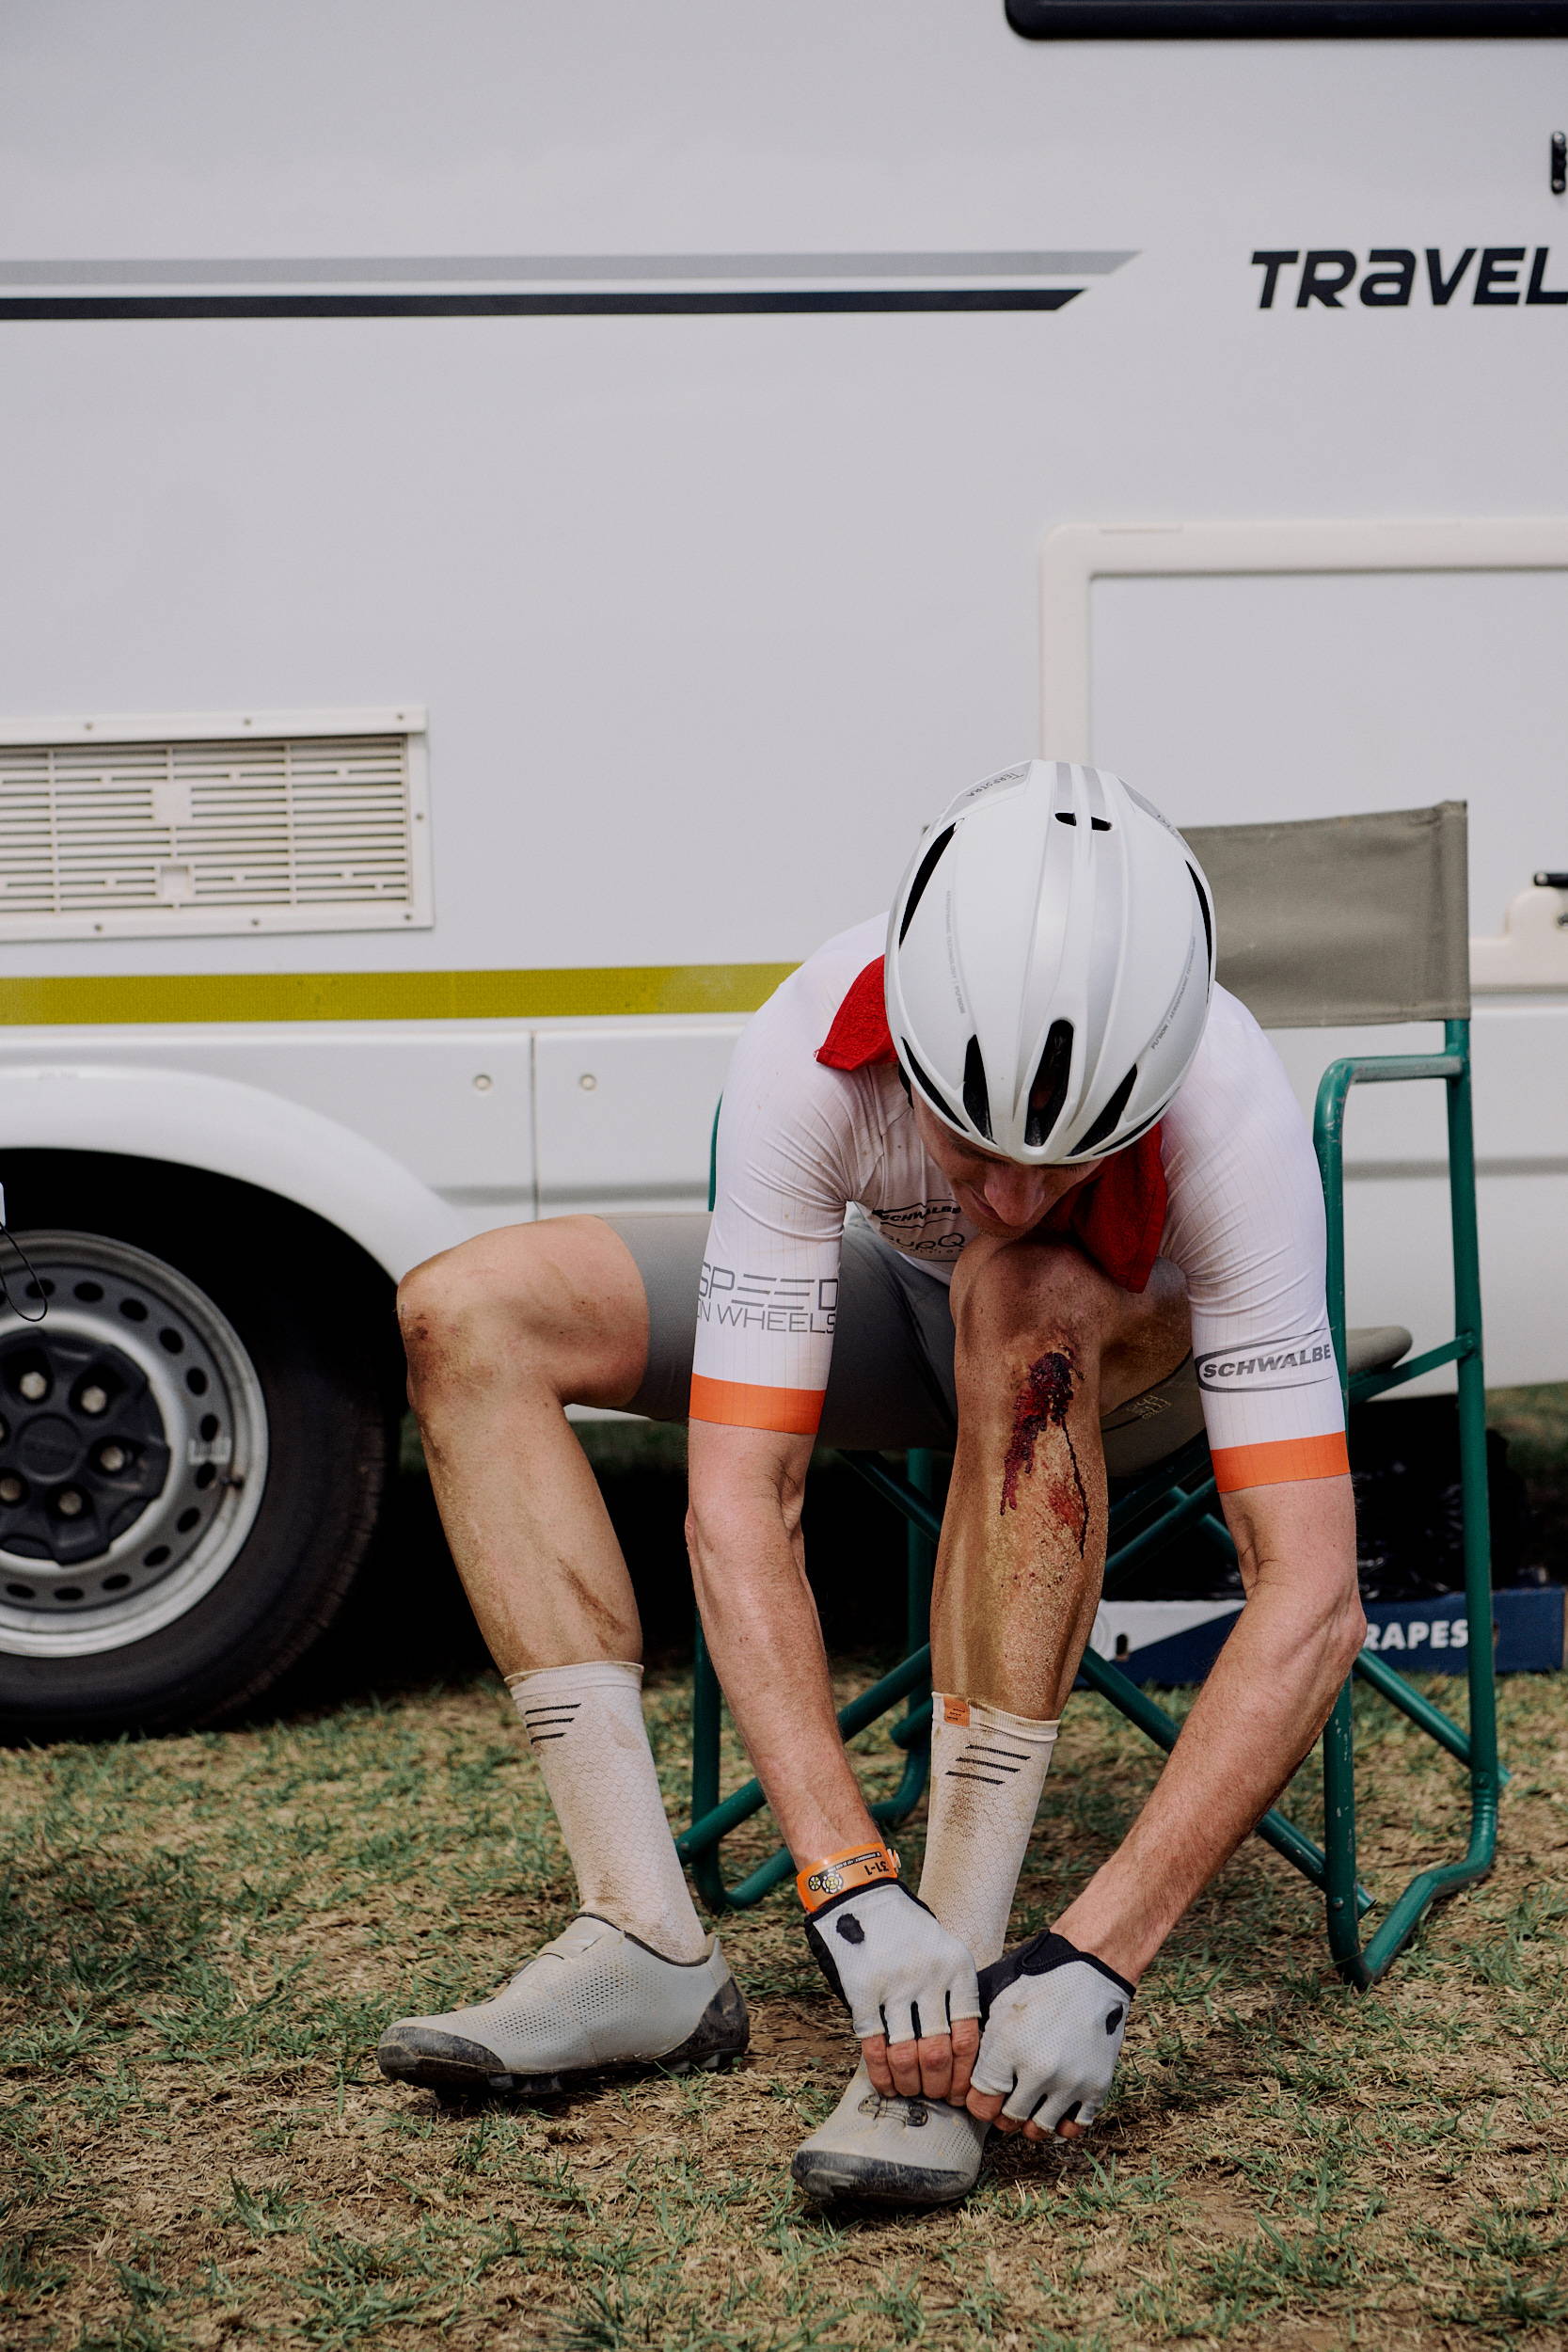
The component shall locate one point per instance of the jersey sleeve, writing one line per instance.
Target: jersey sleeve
(767, 1298)
(1247, 1229)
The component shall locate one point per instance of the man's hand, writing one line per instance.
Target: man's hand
(1054, 2019)
(909, 1988)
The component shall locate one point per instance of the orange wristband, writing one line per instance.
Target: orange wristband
(857, 1866)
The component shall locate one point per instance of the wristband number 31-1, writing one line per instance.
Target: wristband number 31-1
(840, 1873)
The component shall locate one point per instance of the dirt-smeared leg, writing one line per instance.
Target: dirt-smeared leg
(1024, 1540)
(502, 1334)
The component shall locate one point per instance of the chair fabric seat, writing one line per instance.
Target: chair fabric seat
(1374, 1347)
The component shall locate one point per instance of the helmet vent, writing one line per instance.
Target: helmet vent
(976, 1097)
(1068, 816)
(937, 1100)
(1049, 1092)
(922, 876)
(1208, 919)
(1110, 1116)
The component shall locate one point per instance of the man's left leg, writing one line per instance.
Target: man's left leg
(1045, 1345)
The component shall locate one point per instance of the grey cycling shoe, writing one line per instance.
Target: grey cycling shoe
(891, 2151)
(593, 2000)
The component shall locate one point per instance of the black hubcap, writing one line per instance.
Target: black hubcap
(82, 1450)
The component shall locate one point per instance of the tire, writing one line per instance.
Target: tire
(197, 1443)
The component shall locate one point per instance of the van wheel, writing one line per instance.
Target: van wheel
(195, 1443)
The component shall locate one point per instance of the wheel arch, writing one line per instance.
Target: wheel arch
(226, 1128)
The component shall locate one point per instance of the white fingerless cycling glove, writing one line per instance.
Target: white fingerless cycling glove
(894, 1967)
(1054, 2019)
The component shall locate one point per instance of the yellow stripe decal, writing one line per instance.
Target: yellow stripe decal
(596, 989)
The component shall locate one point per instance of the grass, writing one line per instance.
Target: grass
(200, 1939)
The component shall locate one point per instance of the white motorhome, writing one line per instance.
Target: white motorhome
(513, 518)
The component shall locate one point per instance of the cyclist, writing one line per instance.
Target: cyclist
(994, 1188)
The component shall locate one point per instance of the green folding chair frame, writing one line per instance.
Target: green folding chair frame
(1321, 923)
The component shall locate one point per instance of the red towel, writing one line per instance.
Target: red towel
(1116, 1216)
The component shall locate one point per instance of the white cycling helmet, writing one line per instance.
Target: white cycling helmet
(1050, 956)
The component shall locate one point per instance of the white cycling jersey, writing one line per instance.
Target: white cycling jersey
(801, 1146)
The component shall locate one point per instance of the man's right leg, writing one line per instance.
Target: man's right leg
(1017, 1575)
(502, 1334)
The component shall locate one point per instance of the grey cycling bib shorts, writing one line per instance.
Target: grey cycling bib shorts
(892, 1381)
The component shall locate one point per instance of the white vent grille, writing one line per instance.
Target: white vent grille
(249, 824)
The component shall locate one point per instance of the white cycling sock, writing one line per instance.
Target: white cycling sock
(988, 1769)
(585, 1726)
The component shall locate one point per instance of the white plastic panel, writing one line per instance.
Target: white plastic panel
(1521, 1102)
(1323, 695)
(1396, 1197)
(453, 1105)
(624, 1116)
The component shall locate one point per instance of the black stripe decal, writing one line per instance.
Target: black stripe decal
(535, 306)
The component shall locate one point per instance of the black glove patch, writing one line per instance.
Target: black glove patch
(1036, 1957)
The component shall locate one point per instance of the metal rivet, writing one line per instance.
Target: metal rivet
(112, 1457)
(588, 1082)
(34, 1385)
(67, 1502)
(94, 1399)
(482, 1083)
(11, 1490)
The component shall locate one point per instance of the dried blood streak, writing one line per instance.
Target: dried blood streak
(1041, 1404)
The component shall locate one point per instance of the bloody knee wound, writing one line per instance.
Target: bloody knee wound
(1044, 1396)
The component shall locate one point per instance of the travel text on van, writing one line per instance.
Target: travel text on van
(1392, 275)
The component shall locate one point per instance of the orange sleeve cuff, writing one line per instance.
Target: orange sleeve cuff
(742, 1405)
(1280, 1462)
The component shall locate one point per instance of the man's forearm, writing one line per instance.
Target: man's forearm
(1262, 1706)
(766, 1641)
